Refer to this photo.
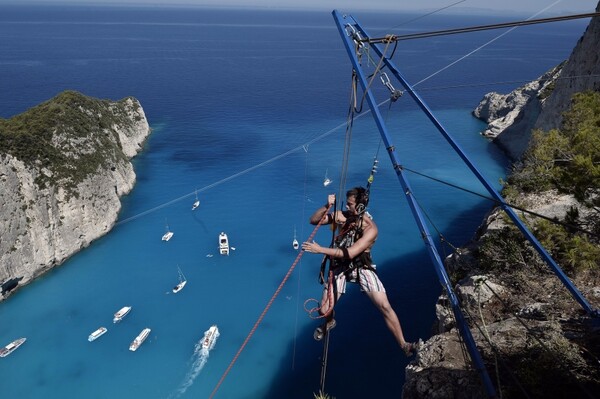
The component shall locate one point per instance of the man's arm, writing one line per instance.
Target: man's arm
(360, 246)
(320, 215)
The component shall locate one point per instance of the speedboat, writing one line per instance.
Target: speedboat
(96, 334)
(210, 337)
(121, 313)
(139, 339)
(10, 348)
(223, 244)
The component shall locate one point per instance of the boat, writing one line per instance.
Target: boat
(167, 236)
(96, 334)
(181, 284)
(295, 242)
(210, 337)
(327, 181)
(121, 313)
(196, 203)
(10, 348)
(139, 340)
(223, 244)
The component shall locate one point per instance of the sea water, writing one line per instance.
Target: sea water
(248, 110)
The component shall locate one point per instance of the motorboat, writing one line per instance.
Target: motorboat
(139, 340)
(10, 348)
(210, 337)
(121, 314)
(223, 244)
(181, 284)
(97, 334)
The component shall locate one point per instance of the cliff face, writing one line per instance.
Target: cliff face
(582, 72)
(534, 338)
(55, 205)
(540, 104)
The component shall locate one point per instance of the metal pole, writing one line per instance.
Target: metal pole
(429, 244)
(509, 211)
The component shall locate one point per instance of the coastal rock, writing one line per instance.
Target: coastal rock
(581, 73)
(525, 324)
(54, 208)
(511, 117)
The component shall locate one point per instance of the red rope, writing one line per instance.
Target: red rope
(264, 312)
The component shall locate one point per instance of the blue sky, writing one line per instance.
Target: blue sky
(501, 6)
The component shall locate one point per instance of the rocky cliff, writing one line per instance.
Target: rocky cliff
(63, 167)
(533, 336)
(540, 104)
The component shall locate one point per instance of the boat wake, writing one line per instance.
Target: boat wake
(198, 361)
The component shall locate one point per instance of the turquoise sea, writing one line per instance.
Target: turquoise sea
(248, 108)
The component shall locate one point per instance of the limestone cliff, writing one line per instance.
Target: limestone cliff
(63, 167)
(540, 104)
(534, 338)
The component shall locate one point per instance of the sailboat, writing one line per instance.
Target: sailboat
(196, 203)
(167, 236)
(327, 180)
(295, 242)
(182, 282)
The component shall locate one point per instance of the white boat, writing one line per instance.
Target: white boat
(223, 244)
(196, 203)
(181, 284)
(96, 334)
(139, 339)
(210, 337)
(10, 348)
(327, 181)
(167, 236)
(295, 242)
(121, 313)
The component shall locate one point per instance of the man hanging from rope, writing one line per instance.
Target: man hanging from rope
(351, 261)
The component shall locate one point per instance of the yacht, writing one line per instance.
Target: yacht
(139, 339)
(121, 314)
(210, 337)
(223, 244)
(196, 203)
(327, 181)
(10, 348)
(167, 236)
(181, 284)
(96, 334)
(295, 243)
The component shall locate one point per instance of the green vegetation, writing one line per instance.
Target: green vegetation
(568, 161)
(65, 139)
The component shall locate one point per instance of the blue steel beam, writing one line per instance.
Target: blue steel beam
(577, 295)
(415, 209)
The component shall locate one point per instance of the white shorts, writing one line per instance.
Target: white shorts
(367, 278)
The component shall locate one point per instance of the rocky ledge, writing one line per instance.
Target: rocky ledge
(63, 167)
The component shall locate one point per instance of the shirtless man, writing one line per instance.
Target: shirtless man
(351, 255)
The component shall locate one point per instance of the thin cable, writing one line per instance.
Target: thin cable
(495, 201)
(300, 268)
(485, 44)
(426, 15)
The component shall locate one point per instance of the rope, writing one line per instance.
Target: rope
(264, 312)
